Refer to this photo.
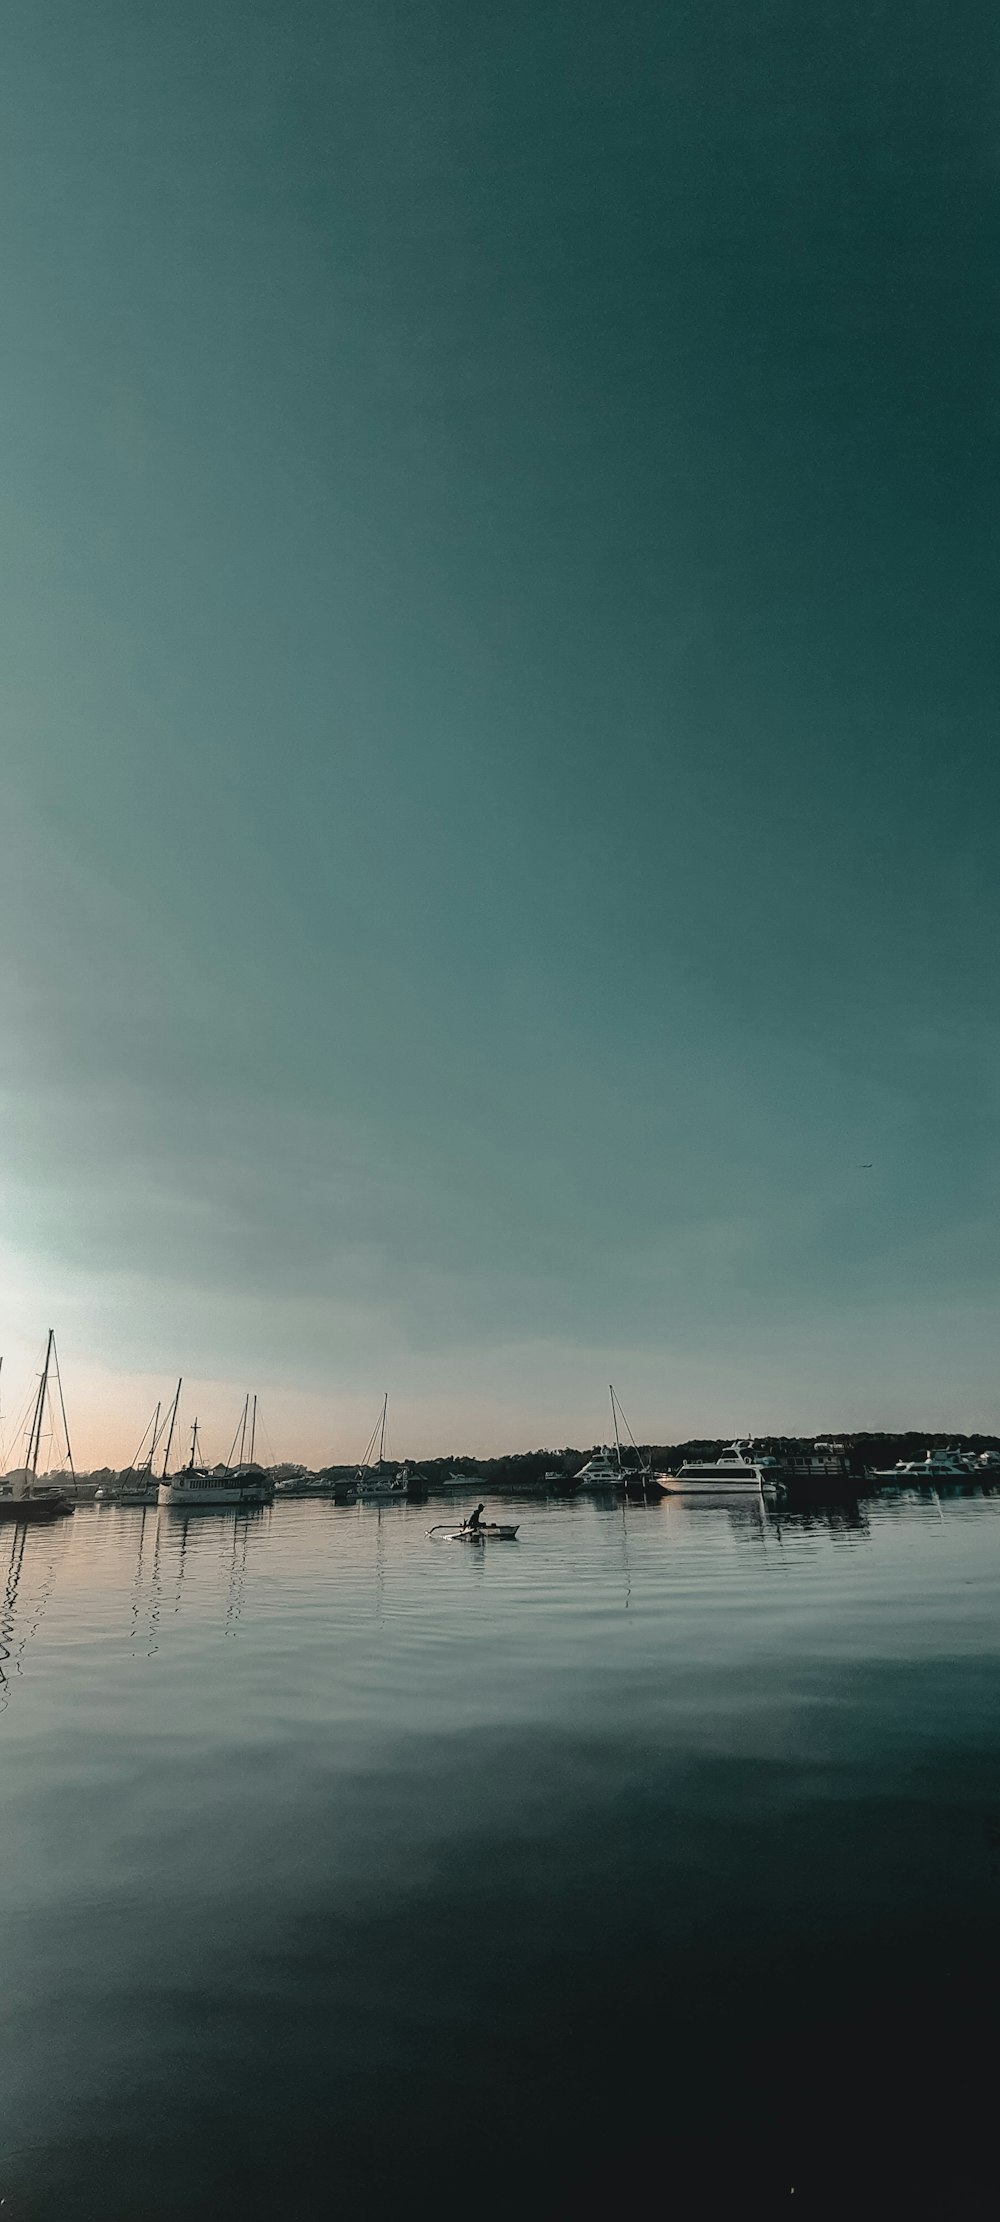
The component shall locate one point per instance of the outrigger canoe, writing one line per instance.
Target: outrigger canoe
(466, 1534)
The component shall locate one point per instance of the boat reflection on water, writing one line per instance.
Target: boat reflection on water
(752, 1517)
(841, 1516)
(28, 1572)
(741, 1510)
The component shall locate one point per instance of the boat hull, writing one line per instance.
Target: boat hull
(494, 1533)
(720, 1486)
(195, 1500)
(32, 1510)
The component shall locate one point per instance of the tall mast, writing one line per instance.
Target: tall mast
(62, 1405)
(241, 1434)
(150, 1429)
(614, 1415)
(35, 1438)
(156, 1435)
(253, 1429)
(170, 1435)
(381, 1445)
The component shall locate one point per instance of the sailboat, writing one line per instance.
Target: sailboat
(637, 1480)
(23, 1496)
(141, 1485)
(380, 1480)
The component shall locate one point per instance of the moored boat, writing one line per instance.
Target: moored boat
(601, 1471)
(197, 1486)
(383, 1482)
(383, 1479)
(936, 1465)
(27, 1508)
(607, 1469)
(731, 1472)
(23, 1497)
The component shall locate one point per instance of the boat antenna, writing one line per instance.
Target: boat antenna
(62, 1405)
(35, 1436)
(170, 1431)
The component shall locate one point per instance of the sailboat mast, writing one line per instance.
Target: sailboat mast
(35, 1438)
(381, 1446)
(62, 1406)
(170, 1434)
(156, 1435)
(614, 1416)
(253, 1430)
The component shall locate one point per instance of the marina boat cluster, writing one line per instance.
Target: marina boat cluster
(821, 1468)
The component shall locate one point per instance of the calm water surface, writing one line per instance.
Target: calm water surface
(651, 1858)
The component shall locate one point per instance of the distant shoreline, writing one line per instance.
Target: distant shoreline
(862, 1448)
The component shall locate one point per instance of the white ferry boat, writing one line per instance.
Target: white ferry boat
(197, 1485)
(732, 1471)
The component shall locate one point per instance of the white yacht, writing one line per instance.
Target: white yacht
(732, 1470)
(936, 1465)
(602, 1471)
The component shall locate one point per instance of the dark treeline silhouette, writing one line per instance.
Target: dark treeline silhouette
(861, 1450)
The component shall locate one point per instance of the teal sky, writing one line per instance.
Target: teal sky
(499, 706)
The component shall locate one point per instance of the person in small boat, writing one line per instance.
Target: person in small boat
(475, 1519)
